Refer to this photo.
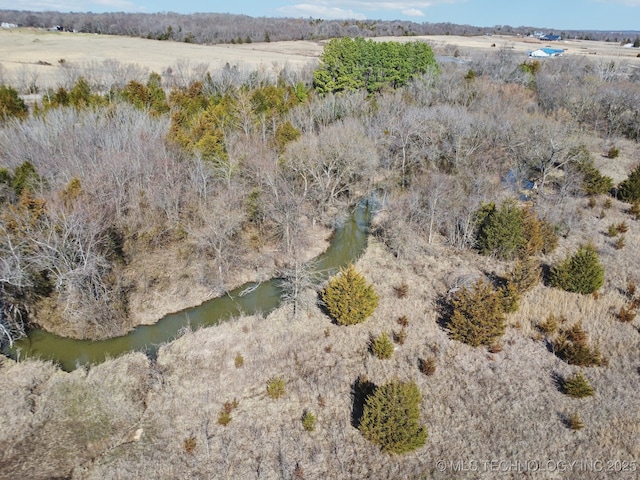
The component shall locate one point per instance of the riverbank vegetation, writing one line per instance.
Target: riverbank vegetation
(115, 196)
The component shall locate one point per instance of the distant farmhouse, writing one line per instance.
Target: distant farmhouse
(546, 37)
(546, 52)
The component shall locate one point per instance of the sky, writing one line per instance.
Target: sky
(557, 15)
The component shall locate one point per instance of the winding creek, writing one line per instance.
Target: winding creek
(347, 243)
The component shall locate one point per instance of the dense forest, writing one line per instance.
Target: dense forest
(509, 205)
(214, 28)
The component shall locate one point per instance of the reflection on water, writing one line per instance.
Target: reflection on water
(347, 244)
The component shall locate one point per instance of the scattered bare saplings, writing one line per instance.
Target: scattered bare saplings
(224, 416)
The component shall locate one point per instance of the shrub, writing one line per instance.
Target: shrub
(224, 417)
(574, 422)
(593, 182)
(401, 290)
(626, 314)
(620, 243)
(549, 237)
(427, 366)
(511, 231)
(525, 274)
(632, 287)
(382, 347)
(189, 445)
(276, 387)
(623, 227)
(510, 297)
(400, 337)
(635, 209)
(403, 321)
(477, 315)
(612, 231)
(390, 417)
(11, 105)
(239, 361)
(577, 386)
(613, 152)
(308, 421)
(579, 273)
(500, 232)
(571, 346)
(551, 324)
(348, 298)
(629, 189)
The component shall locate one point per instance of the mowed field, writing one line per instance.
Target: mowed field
(30, 54)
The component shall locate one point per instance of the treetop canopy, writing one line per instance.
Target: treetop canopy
(348, 64)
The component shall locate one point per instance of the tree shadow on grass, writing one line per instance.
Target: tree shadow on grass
(360, 390)
(444, 310)
(558, 381)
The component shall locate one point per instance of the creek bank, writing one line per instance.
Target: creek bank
(163, 283)
(347, 243)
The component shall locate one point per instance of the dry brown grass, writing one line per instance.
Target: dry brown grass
(28, 55)
(502, 406)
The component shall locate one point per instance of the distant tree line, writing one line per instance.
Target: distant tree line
(214, 28)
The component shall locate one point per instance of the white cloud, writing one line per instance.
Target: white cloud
(122, 5)
(356, 8)
(628, 3)
(72, 6)
(319, 11)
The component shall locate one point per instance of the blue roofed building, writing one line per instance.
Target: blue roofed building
(546, 52)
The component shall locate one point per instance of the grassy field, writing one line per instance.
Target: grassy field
(29, 54)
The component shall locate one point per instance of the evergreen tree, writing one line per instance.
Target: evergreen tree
(500, 231)
(629, 189)
(478, 315)
(348, 298)
(350, 64)
(390, 417)
(11, 105)
(525, 274)
(579, 273)
(382, 346)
